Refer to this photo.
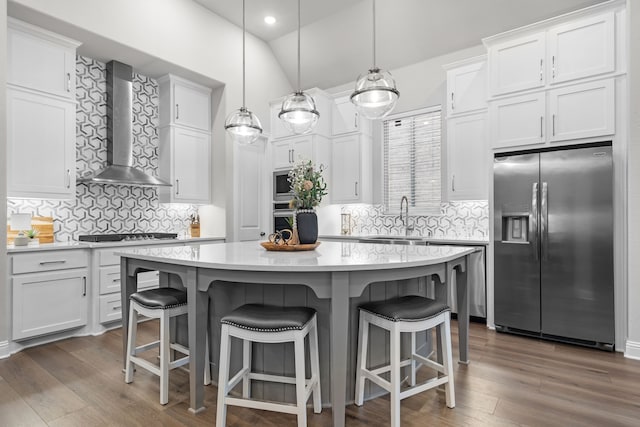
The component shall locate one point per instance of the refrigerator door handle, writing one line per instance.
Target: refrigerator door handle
(544, 222)
(533, 220)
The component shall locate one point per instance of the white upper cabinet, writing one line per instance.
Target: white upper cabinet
(582, 111)
(323, 105)
(184, 162)
(351, 169)
(466, 157)
(346, 118)
(466, 86)
(290, 151)
(517, 120)
(184, 103)
(582, 48)
(41, 152)
(517, 64)
(41, 60)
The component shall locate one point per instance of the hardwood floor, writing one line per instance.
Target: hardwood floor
(511, 381)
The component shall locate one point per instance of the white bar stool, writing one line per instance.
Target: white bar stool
(163, 304)
(405, 314)
(267, 324)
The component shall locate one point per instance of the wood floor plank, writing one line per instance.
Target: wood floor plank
(14, 410)
(43, 392)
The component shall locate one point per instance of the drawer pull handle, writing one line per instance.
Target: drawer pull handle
(84, 286)
(62, 261)
(117, 308)
(115, 280)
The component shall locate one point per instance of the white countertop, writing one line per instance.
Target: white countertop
(435, 240)
(328, 256)
(100, 245)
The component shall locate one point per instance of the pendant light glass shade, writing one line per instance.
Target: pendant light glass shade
(242, 125)
(298, 111)
(376, 94)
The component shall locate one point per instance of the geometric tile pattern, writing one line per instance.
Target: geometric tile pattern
(110, 208)
(458, 219)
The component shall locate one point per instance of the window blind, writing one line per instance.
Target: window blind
(412, 162)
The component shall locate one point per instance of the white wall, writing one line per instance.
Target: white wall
(4, 283)
(633, 194)
(183, 33)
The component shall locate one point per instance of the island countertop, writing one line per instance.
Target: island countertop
(328, 256)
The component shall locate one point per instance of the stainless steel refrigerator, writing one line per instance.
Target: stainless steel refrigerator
(553, 236)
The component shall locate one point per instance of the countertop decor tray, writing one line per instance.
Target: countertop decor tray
(273, 247)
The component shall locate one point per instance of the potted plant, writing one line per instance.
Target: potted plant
(308, 188)
(32, 235)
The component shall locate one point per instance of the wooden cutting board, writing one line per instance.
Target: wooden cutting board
(44, 225)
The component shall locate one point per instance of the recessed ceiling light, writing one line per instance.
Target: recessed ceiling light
(269, 20)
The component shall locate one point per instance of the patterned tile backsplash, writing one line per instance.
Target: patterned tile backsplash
(109, 208)
(457, 220)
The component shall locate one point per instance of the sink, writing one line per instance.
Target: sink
(395, 240)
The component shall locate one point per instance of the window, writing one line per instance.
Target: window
(411, 146)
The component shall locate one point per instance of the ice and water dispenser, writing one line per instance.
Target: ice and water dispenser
(515, 227)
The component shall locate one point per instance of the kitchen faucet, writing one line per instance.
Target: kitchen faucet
(407, 228)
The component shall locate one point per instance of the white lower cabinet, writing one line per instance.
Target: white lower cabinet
(466, 157)
(47, 300)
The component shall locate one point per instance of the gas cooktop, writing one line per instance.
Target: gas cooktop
(125, 237)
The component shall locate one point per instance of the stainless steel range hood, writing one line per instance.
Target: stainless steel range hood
(120, 170)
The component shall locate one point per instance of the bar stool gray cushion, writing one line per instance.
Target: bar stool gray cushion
(410, 308)
(161, 298)
(266, 318)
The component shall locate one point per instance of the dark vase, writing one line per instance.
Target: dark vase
(307, 223)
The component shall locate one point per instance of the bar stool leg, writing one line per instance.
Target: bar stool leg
(394, 354)
(223, 377)
(246, 367)
(315, 366)
(300, 380)
(165, 354)
(412, 375)
(448, 361)
(363, 344)
(207, 362)
(131, 343)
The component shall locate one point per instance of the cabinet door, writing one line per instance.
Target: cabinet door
(41, 146)
(582, 111)
(191, 106)
(282, 154)
(466, 87)
(346, 167)
(582, 48)
(345, 116)
(191, 176)
(518, 120)
(49, 302)
(466, 157)
(302, 149)
(517, 64)
(35, 60)
(250, 191)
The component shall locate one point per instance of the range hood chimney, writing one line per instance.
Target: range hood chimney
(120, 170)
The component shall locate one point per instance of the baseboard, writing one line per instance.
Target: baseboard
(4, 349)
(632, 350)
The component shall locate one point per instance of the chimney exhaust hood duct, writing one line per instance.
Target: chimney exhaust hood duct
(120, 170)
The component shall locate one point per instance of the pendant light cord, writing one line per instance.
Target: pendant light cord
(244, 106)
(374, 34)
(299, 88)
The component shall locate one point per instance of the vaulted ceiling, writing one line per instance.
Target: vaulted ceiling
(336, 35)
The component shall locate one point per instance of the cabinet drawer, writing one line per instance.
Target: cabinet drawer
(148, 279)
(47, 261)
(110, 308)
(109, 279)
(108, 258)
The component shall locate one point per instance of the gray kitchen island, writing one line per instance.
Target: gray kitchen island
(336, 273)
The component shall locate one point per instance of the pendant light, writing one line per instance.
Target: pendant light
(376, 94)
(298, 111)
(242, 125)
